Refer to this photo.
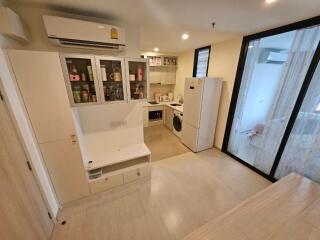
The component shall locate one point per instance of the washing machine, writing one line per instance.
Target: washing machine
(177, 123)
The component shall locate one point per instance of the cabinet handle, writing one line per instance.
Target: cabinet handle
(138, 172)
(74, 141)
(106, 179)
(73, 135)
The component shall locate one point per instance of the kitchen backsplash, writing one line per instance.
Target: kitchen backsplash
(164, 89)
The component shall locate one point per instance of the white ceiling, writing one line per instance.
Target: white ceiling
(163, 21)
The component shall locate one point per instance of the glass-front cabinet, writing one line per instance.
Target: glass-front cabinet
(81, 79)
(103, 79)
(112, 79)
(137, 79)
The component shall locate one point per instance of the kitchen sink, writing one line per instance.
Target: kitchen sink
(175, 104)
(153, 102)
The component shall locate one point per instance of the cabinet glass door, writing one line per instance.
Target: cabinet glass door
(80, 78)
(137, 76)
(111, 79)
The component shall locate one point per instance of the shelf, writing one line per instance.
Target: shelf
(112, 82)
(121, 155)
(81, 82)
(106, 173)
(136, 81)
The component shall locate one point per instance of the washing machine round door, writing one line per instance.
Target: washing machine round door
(177, 123)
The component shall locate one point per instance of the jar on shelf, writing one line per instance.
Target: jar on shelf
(77, 94)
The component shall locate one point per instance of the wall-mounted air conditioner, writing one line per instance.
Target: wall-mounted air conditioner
(273, 56)
(69, 32)
(11, 25)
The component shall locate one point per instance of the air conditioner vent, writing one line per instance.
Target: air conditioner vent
(90, 44)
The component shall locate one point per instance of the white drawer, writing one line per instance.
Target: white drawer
(105, 183)
(136, 173)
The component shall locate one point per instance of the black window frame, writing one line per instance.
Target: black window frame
(195, 61)
(238, 79)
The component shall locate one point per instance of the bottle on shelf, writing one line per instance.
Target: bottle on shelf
(83, 77)
(74, 76)
(85, 93)
(76, 91)
(89, 68)
(139, 73)
(103, 72)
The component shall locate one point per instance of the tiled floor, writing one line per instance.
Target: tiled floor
(163, 143)
(185, 192)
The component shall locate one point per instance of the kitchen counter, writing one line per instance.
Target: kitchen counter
(178, 108)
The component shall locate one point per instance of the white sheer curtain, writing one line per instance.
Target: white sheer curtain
(299, 59)
(251, 59)
(302, 152)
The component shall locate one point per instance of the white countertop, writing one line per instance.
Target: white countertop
(178, 108)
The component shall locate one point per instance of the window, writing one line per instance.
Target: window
(201, 61)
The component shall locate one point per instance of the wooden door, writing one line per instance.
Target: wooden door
(23, 212)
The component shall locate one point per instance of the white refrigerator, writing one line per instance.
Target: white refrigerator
(200, 112)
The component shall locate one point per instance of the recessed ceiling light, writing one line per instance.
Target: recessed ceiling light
(270, 1)
(185, 36)
(156, 49)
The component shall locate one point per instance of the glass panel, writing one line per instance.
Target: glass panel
(302, 152)
(111, 77)
(81, 80)
(202, 64)
(274, 71)
(138, 79)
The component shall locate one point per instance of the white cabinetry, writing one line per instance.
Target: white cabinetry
(112, 80)
(104, 79)
(137, 71)
(40, 81)
(145, 116)
(81, 79)
(168, 117)
(162, 75)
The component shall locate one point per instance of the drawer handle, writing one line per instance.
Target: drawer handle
(74, 141)
(106, 179)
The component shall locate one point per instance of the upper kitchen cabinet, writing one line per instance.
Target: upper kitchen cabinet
(81, 79)
(137, 78)
(111, 75)
(162, 69)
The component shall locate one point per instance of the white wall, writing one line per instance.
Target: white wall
(184, 70)
(32, 17)
(223, 63)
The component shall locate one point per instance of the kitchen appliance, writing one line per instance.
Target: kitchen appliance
(12, 26)
(164, 98)
(75, 33)
(200, 112)
(155, 115)
(171, 98)
(157, 96)
(177, 123)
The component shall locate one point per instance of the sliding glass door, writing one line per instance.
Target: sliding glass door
(273, 74)
(302, 150)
